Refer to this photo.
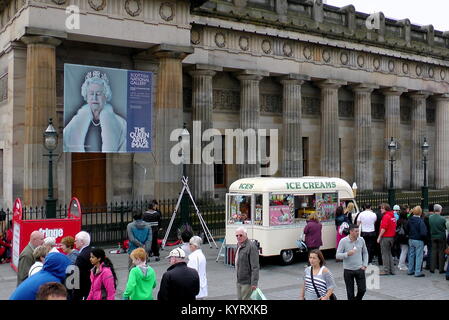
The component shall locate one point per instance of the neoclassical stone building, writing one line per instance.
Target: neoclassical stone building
(336, 91)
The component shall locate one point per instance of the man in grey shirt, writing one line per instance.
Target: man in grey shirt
(352, 250)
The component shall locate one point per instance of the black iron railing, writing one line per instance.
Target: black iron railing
(107, 224)
(411, 199)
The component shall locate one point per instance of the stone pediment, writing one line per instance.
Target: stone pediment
(315, 17)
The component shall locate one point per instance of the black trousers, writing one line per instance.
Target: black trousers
(154, 244)
(359, 277)
(370, 240)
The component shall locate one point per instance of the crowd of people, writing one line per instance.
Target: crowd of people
(395, 239)
(44, 273)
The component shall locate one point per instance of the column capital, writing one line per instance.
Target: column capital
(203, 70)
(293, 78)
(364, 87)
(164, 50)
(421, 94)
(331, 84)
(15, 45)
(43, 40)
(441, 97)
(394, 91)
(252, 75)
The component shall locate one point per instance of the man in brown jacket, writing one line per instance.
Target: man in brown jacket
(246, 265)
(26, 258)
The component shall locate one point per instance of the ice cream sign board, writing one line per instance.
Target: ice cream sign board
(311, 185)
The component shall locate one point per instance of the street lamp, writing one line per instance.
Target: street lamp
(392, 147)
(185, 144)
(425, 189)
(50, 143)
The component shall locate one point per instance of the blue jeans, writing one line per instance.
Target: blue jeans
(415, 256)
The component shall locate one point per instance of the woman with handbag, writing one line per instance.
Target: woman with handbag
(318, 280)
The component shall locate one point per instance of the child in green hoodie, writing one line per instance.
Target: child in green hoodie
(142, 278)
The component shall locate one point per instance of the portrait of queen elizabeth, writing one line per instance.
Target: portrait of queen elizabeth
(95, 127)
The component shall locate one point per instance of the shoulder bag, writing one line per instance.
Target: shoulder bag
(332, 297)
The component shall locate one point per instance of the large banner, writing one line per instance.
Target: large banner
(107, 110)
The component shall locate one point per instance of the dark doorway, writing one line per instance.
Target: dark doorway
(89, 178)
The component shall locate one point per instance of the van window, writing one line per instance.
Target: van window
(239, 209)
(282, 209)
(304, 205)
(326, 204)
(258, 218)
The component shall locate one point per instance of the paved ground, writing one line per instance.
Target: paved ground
(277, 282)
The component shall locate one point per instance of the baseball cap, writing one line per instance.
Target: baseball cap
(177, 253)
(396, 207)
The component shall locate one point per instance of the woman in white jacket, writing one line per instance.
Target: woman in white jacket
(95, 127)
(197, 261)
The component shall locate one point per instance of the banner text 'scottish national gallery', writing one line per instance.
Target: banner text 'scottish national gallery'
(335, 83)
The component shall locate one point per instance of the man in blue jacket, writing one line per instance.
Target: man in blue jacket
(139, 235)
(417, 234)
(54, 270)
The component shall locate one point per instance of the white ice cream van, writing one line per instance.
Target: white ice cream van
(274, 211)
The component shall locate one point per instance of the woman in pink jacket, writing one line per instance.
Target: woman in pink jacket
(102, 277)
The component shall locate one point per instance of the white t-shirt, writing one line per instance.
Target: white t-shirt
(197, 261)
(367, 220)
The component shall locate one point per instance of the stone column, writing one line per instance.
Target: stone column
(292, 159)
(418, 126)
(168, 116)
(329, 153)
(442, 142)
(250, 117)
(13, 160)
(40, 105)
(202, 106)
(392, 129)
(363, 151)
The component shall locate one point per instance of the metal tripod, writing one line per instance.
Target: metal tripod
(185, 188)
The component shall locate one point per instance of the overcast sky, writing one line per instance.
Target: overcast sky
(434, 12)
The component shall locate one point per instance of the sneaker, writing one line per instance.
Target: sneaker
(410, 273)
(403, 268)
(447, 278)
(157, 259)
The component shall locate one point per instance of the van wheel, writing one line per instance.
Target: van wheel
(287, 257)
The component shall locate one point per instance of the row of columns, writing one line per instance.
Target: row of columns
(41, 104)
(329, 134)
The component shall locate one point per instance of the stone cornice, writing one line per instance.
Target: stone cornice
(399, 35)
(326, 53)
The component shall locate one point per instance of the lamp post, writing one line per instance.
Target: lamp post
(425, 189)
(392, 147)
(50, 143)
(185, 143)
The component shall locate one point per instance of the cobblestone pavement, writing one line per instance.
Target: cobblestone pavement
(277, 282)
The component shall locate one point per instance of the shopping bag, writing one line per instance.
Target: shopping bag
(258, 295)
